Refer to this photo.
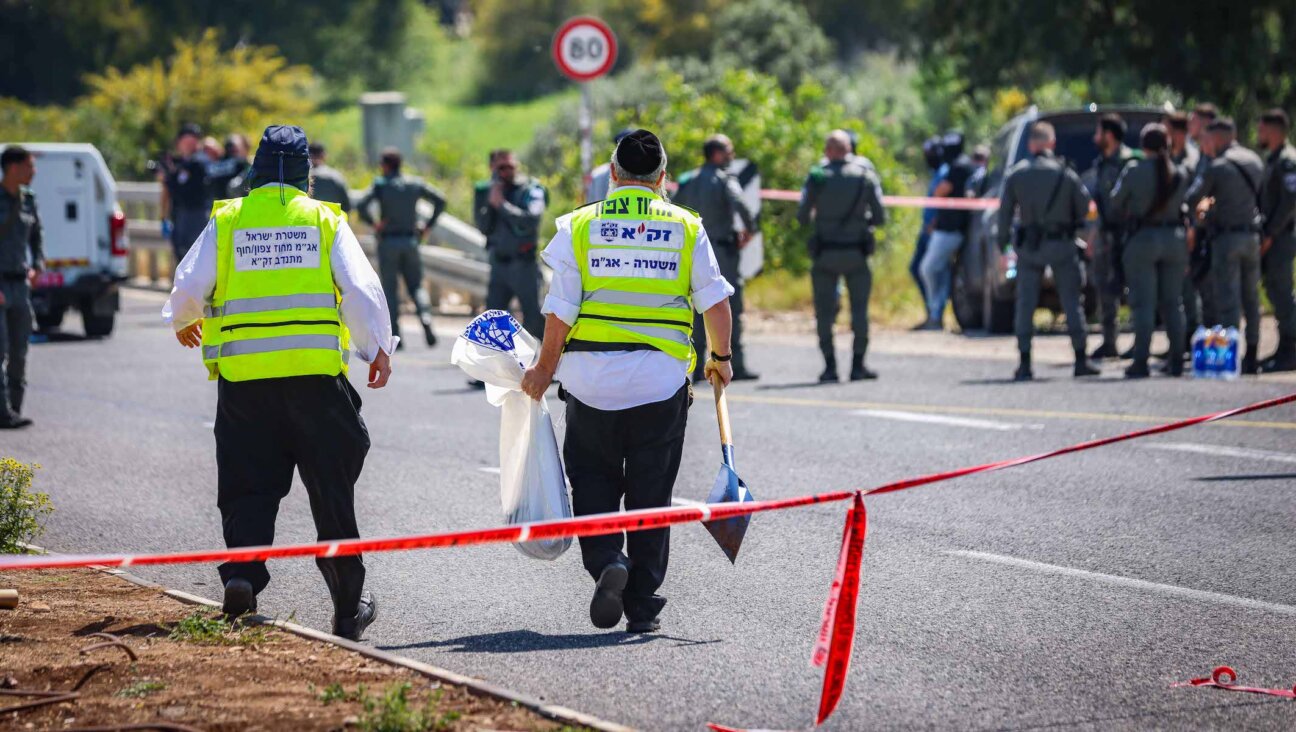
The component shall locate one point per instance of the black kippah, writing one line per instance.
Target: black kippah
(640, 153)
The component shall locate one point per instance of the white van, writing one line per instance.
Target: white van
(86, 245)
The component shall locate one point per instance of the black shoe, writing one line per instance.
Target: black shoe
(829, 375)
(475, 384)
(643, 626)
(745, 375)
(1174, 369)
(240, 598)
(1128, 355)
(1082, 365)
(353, 628)
(1106, 350)
(1250, 361)
(1283, 359)
(1137, 370)
(606, 608)
(15, 423)
(428, 334)
(860, 372)
(1023, 367)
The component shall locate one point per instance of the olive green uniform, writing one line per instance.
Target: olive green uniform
(844, 200)
(21, 248)
(1046, 239)
(328, 184)
(1155, 256)
(1233, 179)
(1198, 287)
(512, 232)
(717, 198)
(398, 256)
(1108, 283)
(1278, 203)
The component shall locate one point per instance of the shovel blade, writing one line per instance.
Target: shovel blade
(729, 533)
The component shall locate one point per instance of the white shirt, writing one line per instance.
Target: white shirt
(364, 307)
(616, 380)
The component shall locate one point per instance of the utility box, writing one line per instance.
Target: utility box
(389, 123)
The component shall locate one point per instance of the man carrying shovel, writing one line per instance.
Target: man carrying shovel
(628, 273)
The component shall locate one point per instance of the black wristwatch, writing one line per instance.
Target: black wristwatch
(720, 359)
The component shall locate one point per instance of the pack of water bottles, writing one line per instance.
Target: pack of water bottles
(1215, 353)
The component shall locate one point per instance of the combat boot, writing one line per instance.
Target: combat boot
(1138, 370)
(1106, 350)
(1024, 368)
(1283, 359)
(1251, 360)
(1082, 365)
(829, 374)
(428, 334)
(859, 372)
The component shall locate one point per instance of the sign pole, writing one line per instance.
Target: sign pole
(585, 121)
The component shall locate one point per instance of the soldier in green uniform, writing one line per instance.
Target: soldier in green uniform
(1199, 286)
(1149, 199)
(1050, 203)
(1278, 244)
(327, 182)
(1225, 199)
(507, 209)
(717, 198)
(20, 233)
(843, 197)
(1113, 156)
(399, 233)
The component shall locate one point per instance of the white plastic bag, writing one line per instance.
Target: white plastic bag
(496, 350)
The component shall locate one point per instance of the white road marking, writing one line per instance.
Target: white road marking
(945, 419)
(1135, 584)
(1245, 453)
(492, 471)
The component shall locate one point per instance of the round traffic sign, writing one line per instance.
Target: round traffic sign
(584, 48)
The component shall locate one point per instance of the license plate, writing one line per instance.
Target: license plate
(48, 279)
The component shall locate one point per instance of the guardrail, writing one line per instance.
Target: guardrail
(457, 264)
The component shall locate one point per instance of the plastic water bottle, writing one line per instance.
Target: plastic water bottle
(1199, 339)
(1230, 364)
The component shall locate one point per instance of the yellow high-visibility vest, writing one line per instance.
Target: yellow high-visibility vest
(274, 311)
(635, 252)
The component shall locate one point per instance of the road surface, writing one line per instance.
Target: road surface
(1067, 594)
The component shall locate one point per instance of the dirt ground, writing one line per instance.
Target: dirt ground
(255, 678)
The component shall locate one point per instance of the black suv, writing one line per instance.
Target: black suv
(982, 292)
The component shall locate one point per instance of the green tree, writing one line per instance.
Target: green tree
(774, 37)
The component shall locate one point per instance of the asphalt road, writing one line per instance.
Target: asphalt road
(1064, 594)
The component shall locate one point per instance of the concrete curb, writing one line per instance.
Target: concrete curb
(475, 686)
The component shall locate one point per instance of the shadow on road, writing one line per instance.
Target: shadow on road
(41, 339)
(520, 641)
(1266, 476)
(795, 385)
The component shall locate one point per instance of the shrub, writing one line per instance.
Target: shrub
(22, 510)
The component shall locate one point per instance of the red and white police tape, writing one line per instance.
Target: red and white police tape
(833, 644)
(1224, 676)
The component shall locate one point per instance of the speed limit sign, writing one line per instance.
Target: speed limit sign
(584, 48)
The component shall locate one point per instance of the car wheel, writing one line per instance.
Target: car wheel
(967, 305)
(46, 322)
(96, 326)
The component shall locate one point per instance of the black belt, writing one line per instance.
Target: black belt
(13, 276)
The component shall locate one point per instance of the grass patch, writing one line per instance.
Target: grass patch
(391, 710)
(141, 689)
(207, 630)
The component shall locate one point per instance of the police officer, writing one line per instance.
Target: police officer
(507, 209)
(328, 183)
(1149, 198)
(716, 196)
(1051, 203)
(1199, 287)
(186, 197)
(399, 234)
(618, 339)
(948, 230)
(1113, 156)
(1183, 150)
(843, 197)
(21, 255)
(1278, 244)
(259, 292)
(227, 175)
(1225, 199)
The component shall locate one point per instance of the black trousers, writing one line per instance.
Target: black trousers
(264, 429)
(631, 454)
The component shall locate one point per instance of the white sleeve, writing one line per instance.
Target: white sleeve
(709, 286)
(565, 289)
(194, 281)
(364, 307)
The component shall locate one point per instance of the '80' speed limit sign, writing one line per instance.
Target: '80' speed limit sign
(584, 48)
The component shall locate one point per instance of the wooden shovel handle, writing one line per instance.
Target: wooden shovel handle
(722, 413)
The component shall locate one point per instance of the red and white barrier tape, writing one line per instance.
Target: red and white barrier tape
(961, 204)
(834, 644)
(1224, 676)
